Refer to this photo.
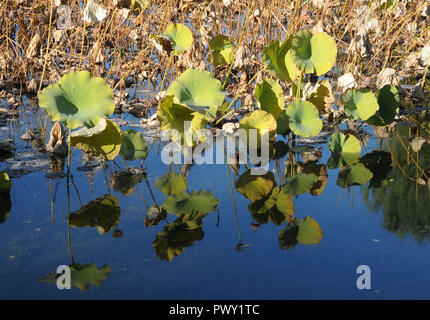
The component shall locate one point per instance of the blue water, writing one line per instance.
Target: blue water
(32, 245)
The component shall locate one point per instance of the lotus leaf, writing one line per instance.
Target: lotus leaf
(344, 143)
(270, 96)
(259, 120)
(221, 50)
(176, 39)
(360, 104)
(104, 140)
(304, 119)
(133, 145)
(78, 99)
(199, 90)
(278, 60)
(388, 100)
(314, 53)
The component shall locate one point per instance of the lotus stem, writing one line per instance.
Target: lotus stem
(238, 44)
(114, 64)
(165, 73)
(298, 86)
(68, 148)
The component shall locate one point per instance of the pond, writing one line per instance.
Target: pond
(230, 253)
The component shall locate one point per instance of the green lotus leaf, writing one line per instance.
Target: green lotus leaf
(133, 145)
(299, 183)
(321, 172)
(304, 119)
(265, 210)
(355, 175)
(388, 100)
(265, 204)
(270, 96)
(222, 49)
(172, 115)
(255, 187)
(261, 121)
(103, 141)
(179, 37)
(5, 207)
(171, 184)
(344, 143)
(78, 99)
(195, 202)
(278, 60)
(314, 53)
(81, 276)
(198, 90)
(305, 232)
(126, 179)
(360, 104)
(179, 235)
(5, 183)
(102, 213)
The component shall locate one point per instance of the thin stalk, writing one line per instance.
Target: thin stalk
(238, 44)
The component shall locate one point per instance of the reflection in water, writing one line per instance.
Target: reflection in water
(81, 276)
(179, 235)
(402, 198)
(102, 213)
(5, 207)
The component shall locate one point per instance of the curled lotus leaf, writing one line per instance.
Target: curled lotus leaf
(78, 99)
(198, 90)
(102, 141)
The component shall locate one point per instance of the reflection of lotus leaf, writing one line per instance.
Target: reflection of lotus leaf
(177, 236)
(388, 100)
(354, 176)
(299, 183)
(314, 53)
(102, 213)
(5, 207)
(270, 96)
(78, 99)
(198, 90)
(195, 202)
(221, 50)
(360, 104)
(380, 164)
(125, 180)
(82, 276)
(255, 187)
(5, 183)
(154, 216)
(306, 231)
(171, 184)
(267, 209)
(346, 150)
(133, 145)
(103, 140)
(304, 119)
